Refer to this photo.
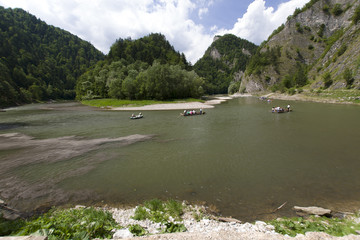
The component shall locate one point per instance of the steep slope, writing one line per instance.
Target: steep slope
(224, 63)
(39, 61)
(318, 46)
(146, 68)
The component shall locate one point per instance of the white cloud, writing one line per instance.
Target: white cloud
(101, 22)
(202, 11)
(260, 21)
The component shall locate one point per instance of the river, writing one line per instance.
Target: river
(238, 158)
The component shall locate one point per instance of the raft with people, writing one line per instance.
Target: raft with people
(133, 116)
(192, 113)
(281, 110)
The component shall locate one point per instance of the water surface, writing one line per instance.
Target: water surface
(239, 157)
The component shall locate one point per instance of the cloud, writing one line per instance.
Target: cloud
(101, 22)
(260, 21)
(202, 11)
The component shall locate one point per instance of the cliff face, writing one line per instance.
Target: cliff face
(318, 46)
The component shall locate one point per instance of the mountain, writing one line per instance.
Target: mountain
(318, 47)
(146, 68)
(224, 62)
(38, 61)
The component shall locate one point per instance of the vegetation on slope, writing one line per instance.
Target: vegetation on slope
(37, 61)
(147, 68)
(218, 73)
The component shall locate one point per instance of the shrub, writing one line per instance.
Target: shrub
(356, 16)
(342, 50)
(72, 224)
(310, 47)
(335, 227)
(327, 80)
(337, 10)
(348, 77)
(137, 230)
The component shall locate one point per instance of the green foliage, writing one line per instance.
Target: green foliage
(171, 227)
(234, 87)
(8, 227)
(276, 31)
(147, 68)
(306, 7)
(327, 79)
(326, 8)
(147, 49)
(137, 230)
(320, 33)
(71, 224)
(262, 59)
(333, 226)
(348, 77)
(356, 16)
(337, 10)
(218, 73)
(299, 28)
(139, 81)
(159, 211)
(162, 212)
(342, 50)
(37, 61)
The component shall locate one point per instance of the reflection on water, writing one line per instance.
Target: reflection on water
(239, 157)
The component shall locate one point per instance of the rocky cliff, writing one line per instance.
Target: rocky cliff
(318, 46)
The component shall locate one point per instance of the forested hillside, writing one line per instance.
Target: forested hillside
(224, 62)
(146, 68)
(317, 48)
(38, 61)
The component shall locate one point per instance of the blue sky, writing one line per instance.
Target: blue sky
(189, 25)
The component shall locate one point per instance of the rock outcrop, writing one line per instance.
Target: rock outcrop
(316, 46)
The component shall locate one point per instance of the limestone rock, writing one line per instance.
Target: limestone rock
(122, 233)
(313, 210)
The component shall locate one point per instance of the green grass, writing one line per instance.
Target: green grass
(331, 226)
(109, 102)
(352, 96)
(162, 212)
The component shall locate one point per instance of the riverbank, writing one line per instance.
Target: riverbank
(321, 96)
(175, 106)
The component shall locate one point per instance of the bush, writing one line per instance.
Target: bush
(356, 16)
(337, 10)
(137, 230)
(327, 80)
(335, 227)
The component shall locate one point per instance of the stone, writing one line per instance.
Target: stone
(313, 210)
(122, 233)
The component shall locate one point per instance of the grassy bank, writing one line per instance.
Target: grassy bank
(109, 102)
(324, 96)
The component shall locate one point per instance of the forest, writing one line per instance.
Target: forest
(37, 61)
(146, 68)
(235, 54)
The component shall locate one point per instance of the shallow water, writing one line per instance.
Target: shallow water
(239, 157)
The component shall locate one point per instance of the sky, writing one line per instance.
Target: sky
(189, 25)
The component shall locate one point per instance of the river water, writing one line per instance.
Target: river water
(238, 158)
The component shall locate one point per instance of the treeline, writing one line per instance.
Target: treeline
(219, 73)
(37, 61)
(147, 68)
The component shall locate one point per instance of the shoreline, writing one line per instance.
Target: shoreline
(175, 106)
(304, 98)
